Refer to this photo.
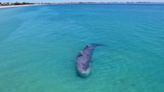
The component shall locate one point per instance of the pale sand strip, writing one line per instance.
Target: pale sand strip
(15, 6)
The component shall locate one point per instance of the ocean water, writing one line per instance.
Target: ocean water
(38, 46)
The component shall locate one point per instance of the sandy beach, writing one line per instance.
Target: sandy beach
(15, 6)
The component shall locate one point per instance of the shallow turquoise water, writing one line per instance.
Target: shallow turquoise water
(38, 46)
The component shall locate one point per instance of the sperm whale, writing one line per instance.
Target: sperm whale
(83, 60)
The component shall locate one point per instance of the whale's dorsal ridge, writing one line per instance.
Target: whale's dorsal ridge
(83, 59)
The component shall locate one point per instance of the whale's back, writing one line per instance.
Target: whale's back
(83, 59)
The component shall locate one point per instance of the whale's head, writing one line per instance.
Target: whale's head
(83, 70)
(84, 73)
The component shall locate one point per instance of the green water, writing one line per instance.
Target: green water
(39, 44)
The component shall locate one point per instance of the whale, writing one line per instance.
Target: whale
(83, 60)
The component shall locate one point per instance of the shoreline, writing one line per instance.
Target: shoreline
(77, 3)
(16, 6)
